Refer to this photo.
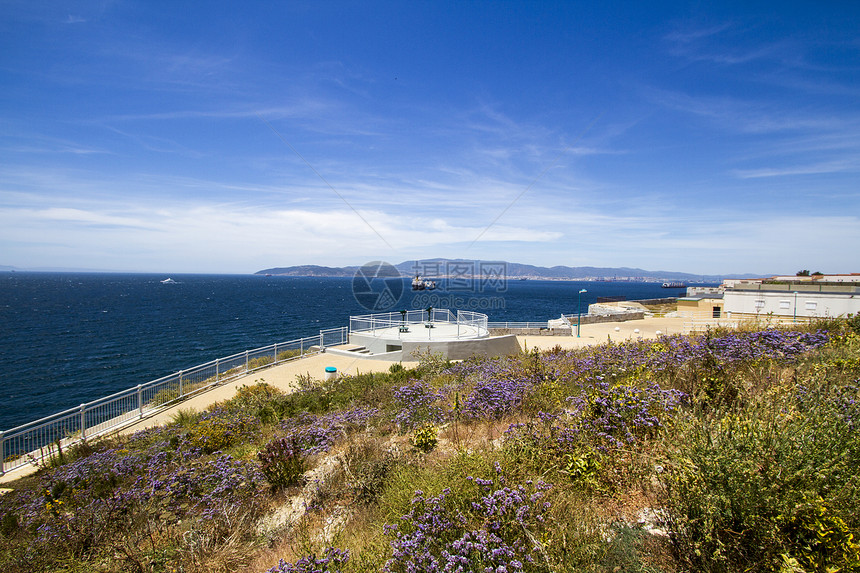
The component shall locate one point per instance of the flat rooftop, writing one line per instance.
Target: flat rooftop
(419, 332)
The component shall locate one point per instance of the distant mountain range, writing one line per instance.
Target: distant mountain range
(440, 268)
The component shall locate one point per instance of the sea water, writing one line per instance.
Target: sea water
(69, 338)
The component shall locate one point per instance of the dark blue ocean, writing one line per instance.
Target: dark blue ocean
(68, 338)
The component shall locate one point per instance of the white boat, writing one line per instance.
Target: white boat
(419, 284)
(168, 281)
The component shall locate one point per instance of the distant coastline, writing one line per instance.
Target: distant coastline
(466, 268)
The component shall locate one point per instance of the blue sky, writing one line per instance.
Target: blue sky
(230, 137)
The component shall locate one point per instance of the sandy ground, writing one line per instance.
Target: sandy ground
(284, 376)
(603, 332)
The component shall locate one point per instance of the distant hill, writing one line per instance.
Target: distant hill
(467, 267)
(310, 271)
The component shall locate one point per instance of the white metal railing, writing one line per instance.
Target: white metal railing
(40, 439)
(372, 322)
(543, 324)
(334, 336)
(476, 320)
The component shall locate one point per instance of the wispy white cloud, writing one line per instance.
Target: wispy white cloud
(820, 168)
(686, 33)
(732, 113)
(724, 44)
(298, 109)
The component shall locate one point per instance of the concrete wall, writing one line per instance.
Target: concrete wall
(664, 300)
(562, 331)
(454, 349)
(701, 308)
(620, 317)
(462, 349)
(374, 344)
(696, 290)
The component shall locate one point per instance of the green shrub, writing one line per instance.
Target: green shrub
(853, 323)
(164, 396)
(739, 489)
(259, 362)
(282, 462)
(425, 438)
(260, 400)
(287, 354)
(218, 431)
(185, 417)
(368, 468)
(821, 540)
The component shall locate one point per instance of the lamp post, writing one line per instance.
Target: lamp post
(795, 307)
(579, 311)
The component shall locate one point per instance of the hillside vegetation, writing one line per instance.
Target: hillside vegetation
(729, 451)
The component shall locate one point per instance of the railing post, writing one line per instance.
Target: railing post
(83, 422)
(322, 341)
(276, 353)
(217, 364)
(181, 393)
(2, 454)
(301, 347)
(246, 361)
(139, 401)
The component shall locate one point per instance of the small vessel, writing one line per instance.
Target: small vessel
(168, 281)
(674, 285)
(419, 284)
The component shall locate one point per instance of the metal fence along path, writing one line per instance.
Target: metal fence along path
(40, 439)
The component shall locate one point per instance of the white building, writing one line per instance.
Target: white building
(814, 279)
(796, 299)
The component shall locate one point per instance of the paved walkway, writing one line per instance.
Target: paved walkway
(283, 377)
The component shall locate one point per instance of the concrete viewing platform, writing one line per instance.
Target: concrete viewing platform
(405, 335)
(425, 332)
